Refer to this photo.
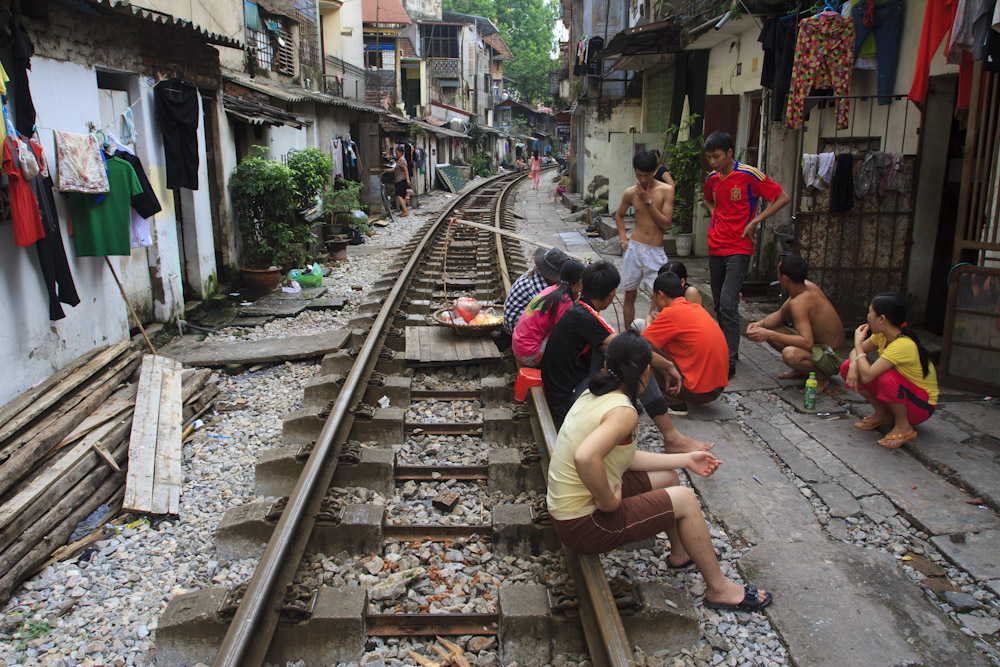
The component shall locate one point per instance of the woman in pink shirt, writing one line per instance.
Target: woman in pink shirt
(536, 170)
(542, 313)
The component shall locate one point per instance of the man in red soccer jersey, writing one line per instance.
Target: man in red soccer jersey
(732, 194)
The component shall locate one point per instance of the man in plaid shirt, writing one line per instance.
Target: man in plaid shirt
(545, 272)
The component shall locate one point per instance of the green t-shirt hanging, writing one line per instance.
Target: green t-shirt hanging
(102, 229)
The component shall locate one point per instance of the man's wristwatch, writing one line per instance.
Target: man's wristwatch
(649, 203)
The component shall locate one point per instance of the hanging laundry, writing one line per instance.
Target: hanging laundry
(817, 170)
(23, 205)
(177, 114)
(893, 176)
(337, 153)
(144, 205)
(101, 229)
(939, 17)
(842, 190)
(823, 56)
(881, 19)
(129, 135)
(870, 172)
(23, 50)
(51, 251)
(80, 167)
(777, 38)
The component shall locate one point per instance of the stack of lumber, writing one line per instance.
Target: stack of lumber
(64, 452)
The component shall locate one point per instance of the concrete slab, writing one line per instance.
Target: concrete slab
(192, 352)
(977, 416)
(975, 461)
(749, 377)
(838, 499)
(926, 499)
(717, 410)
(977, 554)
(825, 404)
(837, 604)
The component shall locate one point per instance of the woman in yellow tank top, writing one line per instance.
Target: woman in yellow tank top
(602, 493)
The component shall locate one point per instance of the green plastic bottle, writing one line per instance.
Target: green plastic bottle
(811, 386)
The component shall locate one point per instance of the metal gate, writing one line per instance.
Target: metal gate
(971, 348)
(855, 253)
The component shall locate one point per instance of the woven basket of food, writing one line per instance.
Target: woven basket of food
(467, 317)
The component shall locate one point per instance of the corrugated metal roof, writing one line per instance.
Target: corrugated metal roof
(289, 93)
(257, 113)
(153, 16)
(384, 12)
(500, 46)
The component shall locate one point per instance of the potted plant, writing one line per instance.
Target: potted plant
(339, 205)
(263, 196)
(684, 163)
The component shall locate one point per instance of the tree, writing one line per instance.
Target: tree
(526, 26)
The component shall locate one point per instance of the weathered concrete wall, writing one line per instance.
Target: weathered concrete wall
(602, 155)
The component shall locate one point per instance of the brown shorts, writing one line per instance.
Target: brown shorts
(644, 512)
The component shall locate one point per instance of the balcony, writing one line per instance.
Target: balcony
(447, 68)
(347, 80)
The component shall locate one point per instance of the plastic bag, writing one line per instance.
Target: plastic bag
(311, 278)
(465, 308)
(25, 159)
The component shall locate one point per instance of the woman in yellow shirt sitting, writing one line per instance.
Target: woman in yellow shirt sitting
(602, 493)
(902, 384)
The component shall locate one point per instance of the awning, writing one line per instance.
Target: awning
(391, 119)
(258, 113)
(652, 38)
(289, 93)
(118, 7)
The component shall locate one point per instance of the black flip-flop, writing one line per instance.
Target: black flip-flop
(751, 601)
(690, 563)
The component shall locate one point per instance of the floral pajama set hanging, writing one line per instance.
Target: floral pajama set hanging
(824, 58)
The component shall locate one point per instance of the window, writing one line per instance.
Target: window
(439, 41)
(260, 46)
(269, 40)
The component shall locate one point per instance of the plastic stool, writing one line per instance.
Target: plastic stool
(526, 378)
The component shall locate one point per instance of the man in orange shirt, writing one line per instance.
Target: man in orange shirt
(686, 334)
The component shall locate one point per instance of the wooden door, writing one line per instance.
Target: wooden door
(722, 112)
(371, 164)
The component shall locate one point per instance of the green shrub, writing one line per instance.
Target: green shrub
(684, 164)
(311, 172)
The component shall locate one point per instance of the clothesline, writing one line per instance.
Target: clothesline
(111, 125)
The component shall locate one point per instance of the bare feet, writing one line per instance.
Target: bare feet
(678, 443)
(791, 375)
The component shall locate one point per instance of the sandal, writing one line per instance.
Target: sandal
(869, 424)
(895, 441)
(718, 554)
(751, 601)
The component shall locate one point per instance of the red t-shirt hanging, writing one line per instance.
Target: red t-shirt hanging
(23, 205)
(736, 198)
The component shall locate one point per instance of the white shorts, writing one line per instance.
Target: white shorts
(640, 265)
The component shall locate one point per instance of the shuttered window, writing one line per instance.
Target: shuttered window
(659, 98)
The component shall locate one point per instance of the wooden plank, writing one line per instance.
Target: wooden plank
(463, 349)
(167, 476)
(142, 443)
(74, 380)
(108, 411)
(26, 458)
(513, 235)
(412, 352)
(24, 401)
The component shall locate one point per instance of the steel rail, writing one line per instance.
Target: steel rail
(251, 631)
(602, 625)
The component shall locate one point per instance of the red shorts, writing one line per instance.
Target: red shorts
(892, 387)
(644, 512)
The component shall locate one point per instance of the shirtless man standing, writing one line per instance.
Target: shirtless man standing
(812, 345)
(652, 202)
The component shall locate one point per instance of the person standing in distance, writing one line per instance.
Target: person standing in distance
(652, 203)
(401, 175)
(733, 194)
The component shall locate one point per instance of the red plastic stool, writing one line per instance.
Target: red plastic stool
(526, 378)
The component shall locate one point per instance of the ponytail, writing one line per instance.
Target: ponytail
(626, 359)
(893, 307)
(569, 275)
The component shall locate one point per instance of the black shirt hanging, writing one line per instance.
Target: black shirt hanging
(177, 114)
(23, 50)
(145, 203)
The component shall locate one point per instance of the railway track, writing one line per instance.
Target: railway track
(407, 413)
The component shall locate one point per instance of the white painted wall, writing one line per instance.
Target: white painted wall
(31, 346)
(196, 208)
(606, 155)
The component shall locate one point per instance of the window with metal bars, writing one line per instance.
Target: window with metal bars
(259, 44)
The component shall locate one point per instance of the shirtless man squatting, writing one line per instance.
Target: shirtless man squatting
(812, 345)
(652, 203)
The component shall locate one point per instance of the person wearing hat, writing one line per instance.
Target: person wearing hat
(544, 273)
